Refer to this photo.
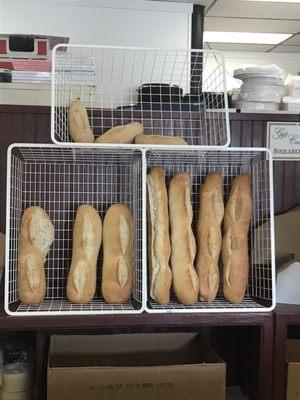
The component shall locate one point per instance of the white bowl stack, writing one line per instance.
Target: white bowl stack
(291, 99)
(262, 88)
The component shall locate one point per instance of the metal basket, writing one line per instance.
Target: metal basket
(185, 92)
(59, 179)
(260, 293)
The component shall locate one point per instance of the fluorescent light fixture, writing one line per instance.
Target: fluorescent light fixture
(245, 37)
(278, 1)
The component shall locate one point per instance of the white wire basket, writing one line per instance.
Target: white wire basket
(184, 92)
(260, 293)
(59, 179)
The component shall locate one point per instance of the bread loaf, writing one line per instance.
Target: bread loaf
(209, 236)
(36, 237)
(159, 139)
(185, 278)
(235, 242)
(117, 254)
(87, 236)
(79, 125)
(159, 248)
(121, 133)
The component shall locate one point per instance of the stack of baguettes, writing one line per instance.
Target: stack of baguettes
(189, 265)
(37, 235)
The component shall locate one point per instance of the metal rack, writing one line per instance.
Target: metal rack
(260, 293)
(108, 81)
(59, 179)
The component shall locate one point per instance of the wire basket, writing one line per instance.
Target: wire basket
(260, 293)
(171, 92)
(59, 179)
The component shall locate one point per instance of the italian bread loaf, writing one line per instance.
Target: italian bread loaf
(121, 133)
(235, 242)
(79, 125)
(87, 236)
(159, 247)
(209, 236)
(117, 272)
(35, 239)
(183, 245)
(159, 139)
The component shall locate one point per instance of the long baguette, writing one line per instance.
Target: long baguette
(185, 278)
(79, 125)
(159, 247)
(117, 254)
(209, 236)
(235, 242)
(121, 133)
(159, 139)
(87, 236)
(36, 237)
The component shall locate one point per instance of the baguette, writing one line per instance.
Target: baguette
(36, 237)
(159, 139)
(185, 278)
(235, 242)
(209, 236)
(121, 133)
(117, 255)
(159, 247)
(87, 236)
(79, 125)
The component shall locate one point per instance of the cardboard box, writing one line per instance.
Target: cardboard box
(169, 366)
(287, 233)
(2, 254)
(293, 369)
(287, 237)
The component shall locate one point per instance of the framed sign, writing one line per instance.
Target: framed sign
(283, 139)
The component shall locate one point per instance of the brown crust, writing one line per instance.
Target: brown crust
(235, 242)
(81, 285)
(117, 262)
(209, 236)
(121, 133)
(31, 271)
(159, 139)
(185, 279)
(159, 247)
(79, 125)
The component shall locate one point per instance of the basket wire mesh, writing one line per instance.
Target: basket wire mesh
(184, 92)
(260, 292)
(59, 180)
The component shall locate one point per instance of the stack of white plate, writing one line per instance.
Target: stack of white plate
(262, 88)
(291, 99)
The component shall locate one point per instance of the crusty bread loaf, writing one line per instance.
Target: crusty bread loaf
(235, 242)
(87, 236)
(79, 125)
(209, 236)
(36, 237)
(183, 246)
(159, 247)
(117, 272)
(159, 139)
(121, 133)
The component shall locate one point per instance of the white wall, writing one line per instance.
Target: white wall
(105, 22)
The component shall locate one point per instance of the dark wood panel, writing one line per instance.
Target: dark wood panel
(20, 124)
(31, 124)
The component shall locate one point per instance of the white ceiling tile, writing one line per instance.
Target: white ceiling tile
(237, 47)
(252, 9)
(250, 25)
(286, 49)
(293, 41)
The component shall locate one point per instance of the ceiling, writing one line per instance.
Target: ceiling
(252, 16)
